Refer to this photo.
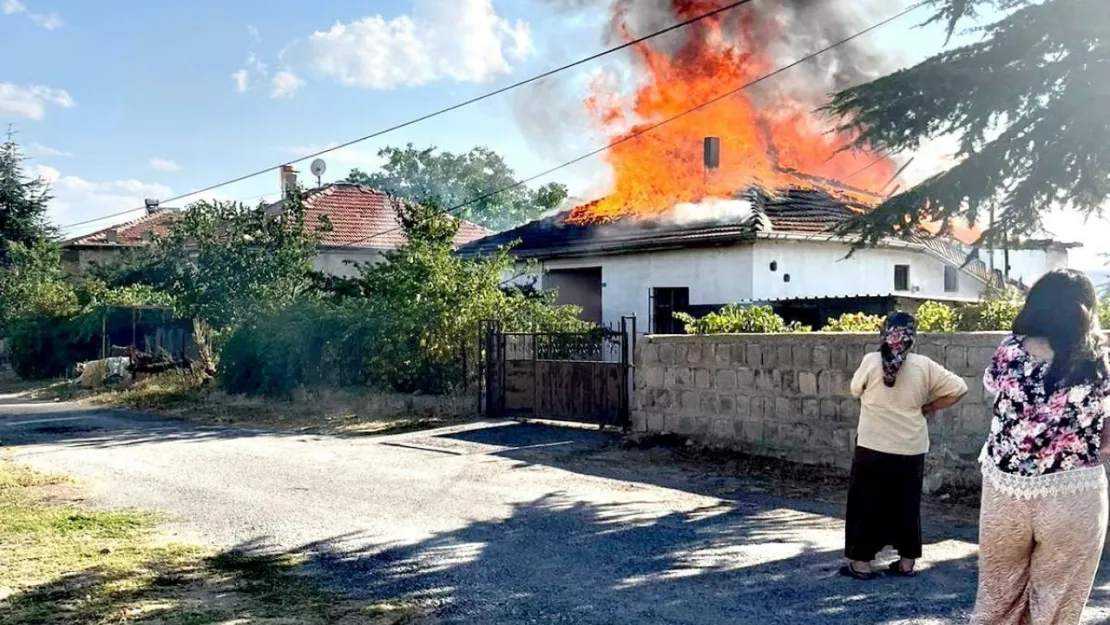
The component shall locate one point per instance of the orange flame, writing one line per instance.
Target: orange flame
(765, 144)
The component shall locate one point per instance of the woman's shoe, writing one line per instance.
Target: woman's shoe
(850, 571)
(895, 568)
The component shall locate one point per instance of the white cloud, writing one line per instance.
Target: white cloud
(242, 82)
(163, 164)
(38, 149)
(49, 21)
(30, 101)
(460, 40)
(285, 85)
(12, 7)
(77, 199)
(253, 64)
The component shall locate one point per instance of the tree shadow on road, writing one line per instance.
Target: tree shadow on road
(556, 560)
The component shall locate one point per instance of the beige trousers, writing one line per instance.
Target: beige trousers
(1038, 556)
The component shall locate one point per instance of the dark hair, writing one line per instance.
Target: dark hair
(1062, 308)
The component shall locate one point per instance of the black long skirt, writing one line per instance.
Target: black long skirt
(884, 505)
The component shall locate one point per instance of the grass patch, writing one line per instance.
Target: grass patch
(183, 396)
(63, 564)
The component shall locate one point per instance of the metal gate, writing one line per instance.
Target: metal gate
(558, 376)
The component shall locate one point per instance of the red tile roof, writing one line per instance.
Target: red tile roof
(360, 217)
(129, 234)
(364, 217)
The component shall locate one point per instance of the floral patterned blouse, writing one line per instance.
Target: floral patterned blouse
(1033, 433)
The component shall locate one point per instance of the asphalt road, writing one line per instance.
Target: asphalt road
(499, 524)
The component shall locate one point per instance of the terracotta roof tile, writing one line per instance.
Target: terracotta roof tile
(364, 217)
(360, 217)
(129, 234)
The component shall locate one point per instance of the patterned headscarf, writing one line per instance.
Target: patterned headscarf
(898, 336)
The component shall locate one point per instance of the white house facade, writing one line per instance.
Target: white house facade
(780, 254)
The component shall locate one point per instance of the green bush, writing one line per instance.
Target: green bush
(737, 319)
(303, 345)
(855, 322)
(937, 318)
(40, 347)
(409, 324)
(1104, 314)
(994, 315)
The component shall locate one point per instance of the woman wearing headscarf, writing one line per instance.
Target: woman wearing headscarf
(1043, 516)
(896, 389)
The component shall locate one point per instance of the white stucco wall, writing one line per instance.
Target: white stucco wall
(333, 261)
(820, 269)
(741, 273)
(1028, 265)
(714, 275)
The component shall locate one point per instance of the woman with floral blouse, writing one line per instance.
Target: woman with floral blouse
(1044, 508)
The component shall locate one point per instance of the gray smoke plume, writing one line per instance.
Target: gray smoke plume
(782, 30)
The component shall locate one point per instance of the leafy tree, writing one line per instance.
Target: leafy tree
(51, 322)
(409, 323)
(1021, 102)
(226, 262)
(32, 284)
(23, 202)
(448, 180)
(428, 303)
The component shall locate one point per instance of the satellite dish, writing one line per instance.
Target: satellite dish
(318, 167)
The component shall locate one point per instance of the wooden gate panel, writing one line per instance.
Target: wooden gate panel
(584, 392)
(559, 377)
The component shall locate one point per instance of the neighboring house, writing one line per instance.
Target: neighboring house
(79, 254)
(364, 225)
(774, 250)
(1029, 260)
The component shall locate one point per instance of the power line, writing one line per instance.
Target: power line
(454, 107)
(252, 196)
(656, 125)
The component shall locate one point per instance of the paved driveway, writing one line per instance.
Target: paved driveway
(498, 523)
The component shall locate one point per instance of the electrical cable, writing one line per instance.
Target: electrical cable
(647, 129)
(454, 107)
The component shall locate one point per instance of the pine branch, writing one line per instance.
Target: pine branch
(1022, 104)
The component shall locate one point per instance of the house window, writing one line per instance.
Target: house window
(665, 301)
(901, 277)
(951, 280)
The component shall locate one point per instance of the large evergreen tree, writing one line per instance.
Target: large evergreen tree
(1026, 104)
(23, 202)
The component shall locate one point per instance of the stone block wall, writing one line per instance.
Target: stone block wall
(787, 396)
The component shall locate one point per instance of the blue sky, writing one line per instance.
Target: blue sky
(118, 101)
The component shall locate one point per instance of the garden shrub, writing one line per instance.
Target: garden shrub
(937, 317)
(855, 322)
(737, 319)
(992, 315)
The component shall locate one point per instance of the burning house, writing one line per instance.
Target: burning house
(747, 217)
(757, 249)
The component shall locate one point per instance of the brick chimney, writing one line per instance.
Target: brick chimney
(288, 179)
